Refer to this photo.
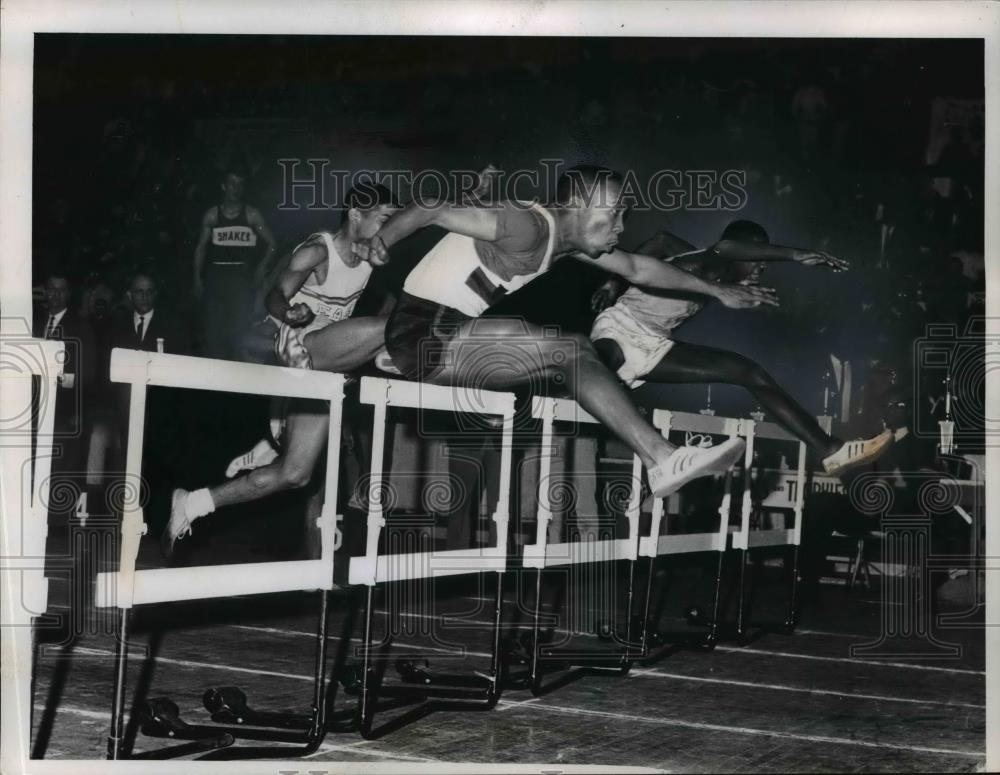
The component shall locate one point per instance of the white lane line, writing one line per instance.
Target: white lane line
(374, 752)
(747, 730)
(325, 748)
(850, 660)
(91, 714)
(784, 688)
(278, 631)
(660, 674)
(191, 663)
(596, 713)
(508, 704)
(747, 650)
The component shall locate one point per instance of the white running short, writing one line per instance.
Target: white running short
(641, 347)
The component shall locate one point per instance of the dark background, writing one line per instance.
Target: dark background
(131, 132)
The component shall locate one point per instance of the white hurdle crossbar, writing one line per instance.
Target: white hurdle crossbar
(744, 537)
(128, 586)
(372, 568)
(47, 367)
(543, 554)
(659, 541)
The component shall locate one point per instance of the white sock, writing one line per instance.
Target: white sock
(199, 503)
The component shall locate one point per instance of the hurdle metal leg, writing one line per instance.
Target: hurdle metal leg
(791, 622)
(422, 689)
(366, 703)
(713, 632)
(742, 614)
(116, 737)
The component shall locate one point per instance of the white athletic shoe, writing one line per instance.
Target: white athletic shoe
(289, 348)
(687, 463)
(179, 524)
(857, 453)
(262, 454)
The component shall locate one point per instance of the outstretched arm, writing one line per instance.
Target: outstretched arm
(664, 244)
(654, 273)
(477, 222)
(733, 250)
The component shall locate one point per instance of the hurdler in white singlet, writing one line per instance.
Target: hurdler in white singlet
(453, 275)
(335, 298)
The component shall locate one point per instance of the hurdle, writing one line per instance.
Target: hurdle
(660, 542)
(542, 554)
(45, 369)
(129, 587)
(790, 495)
(371, 569)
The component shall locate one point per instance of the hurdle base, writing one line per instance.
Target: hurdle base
(429, 691)
(185, 749)
(571, 664)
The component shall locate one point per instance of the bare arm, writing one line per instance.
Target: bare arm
(208, 220)
(733, 250)
(477, 222)
(303, 262)
(654, 273)
(259, 225)
(664, 244)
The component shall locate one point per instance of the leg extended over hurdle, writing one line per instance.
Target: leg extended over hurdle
(373, 568)
(543, 554)
(129, 587)
(662, 542)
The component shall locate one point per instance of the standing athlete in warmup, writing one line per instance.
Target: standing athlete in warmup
(633, 336)
(312, 304)
(228, 265)
(436, 334)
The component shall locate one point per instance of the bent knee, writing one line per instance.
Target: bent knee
(756, 376)
(294, 477)
(610, 353)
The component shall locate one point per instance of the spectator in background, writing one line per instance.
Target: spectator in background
(145, 323)
(63, 323)
(228, 266)
(810, 111)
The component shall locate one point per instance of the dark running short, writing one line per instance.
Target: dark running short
(418, 333)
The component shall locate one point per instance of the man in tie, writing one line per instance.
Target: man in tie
(145, 323)
(63, 323)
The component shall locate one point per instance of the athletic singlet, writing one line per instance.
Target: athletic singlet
(660, 314)
(233, 239)
(337, 296)
(454, 274)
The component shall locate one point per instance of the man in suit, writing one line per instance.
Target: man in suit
(145, 323)
(147, 326)
(63, 323)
